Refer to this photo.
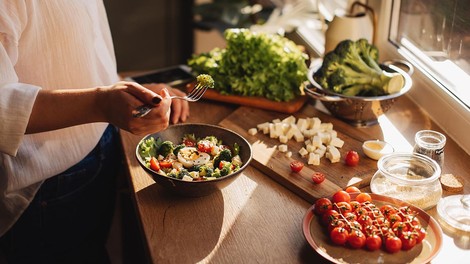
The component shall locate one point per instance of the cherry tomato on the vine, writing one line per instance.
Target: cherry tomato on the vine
(341, 196)
(352, 189)
(296, 166)
(322, 205)
(318, 177)
(352, 158)
(363, 197)
(393, 244)
(373, 242)
(339, 235)
(356, 239)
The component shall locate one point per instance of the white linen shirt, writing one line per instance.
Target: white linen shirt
(53, 44)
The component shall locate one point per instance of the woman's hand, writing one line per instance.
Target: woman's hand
(179, 108)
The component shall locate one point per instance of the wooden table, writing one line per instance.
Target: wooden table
(256, 219)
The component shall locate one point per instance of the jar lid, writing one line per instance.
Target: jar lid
(409, 168)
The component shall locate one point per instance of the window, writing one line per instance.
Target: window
(433, 35)
(437, 34)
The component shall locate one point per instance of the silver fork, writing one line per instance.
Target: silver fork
(196, 93)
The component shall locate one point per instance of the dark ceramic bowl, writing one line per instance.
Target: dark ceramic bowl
(175, 133)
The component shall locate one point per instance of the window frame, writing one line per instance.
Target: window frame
(452, 116)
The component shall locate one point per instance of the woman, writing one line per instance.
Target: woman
(60, 103)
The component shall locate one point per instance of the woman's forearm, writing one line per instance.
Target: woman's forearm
(55, 109)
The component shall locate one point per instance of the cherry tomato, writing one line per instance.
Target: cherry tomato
(393, 218)
(373, 242)
(342, 207)
(154, 164)
(318, 177)
(296, 166)
(399, 228)
(365, 220)
(352, 158)
(408, 240)
(363, 197)
(322, 205)
(339, 235)
(205, 146)
(356, 239)
(165, 164)
(420, 234)
(352, 189)
(393, 244)
(336, 223)
(387, 210)
(341, 196)
(329, 216)
(188, 142)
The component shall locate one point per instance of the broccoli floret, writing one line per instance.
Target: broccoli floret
(205, 171)
(216, 173)
(166, 148)
(226, 168)
(177, 149)
(225, 154)
(182, 173)
(204, 80)
(352, 69)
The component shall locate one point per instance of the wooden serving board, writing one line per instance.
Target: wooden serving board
(269, 160)
(257, 102)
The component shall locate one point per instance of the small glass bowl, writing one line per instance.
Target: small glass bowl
(410, 177)
(375, 149)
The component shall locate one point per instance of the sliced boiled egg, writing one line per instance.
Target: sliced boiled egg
(190, 156)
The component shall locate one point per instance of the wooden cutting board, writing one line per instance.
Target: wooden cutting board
(289, 107)
(269, 160)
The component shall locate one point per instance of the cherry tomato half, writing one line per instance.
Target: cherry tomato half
(165, 164)
(296, 166)
(318, 177)
(352, 158)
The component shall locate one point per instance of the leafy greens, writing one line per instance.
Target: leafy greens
(255, 64)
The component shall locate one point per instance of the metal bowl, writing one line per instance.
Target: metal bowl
(359, 111)
(175, 133)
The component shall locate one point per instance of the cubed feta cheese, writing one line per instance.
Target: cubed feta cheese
(282, 148)
(303, 152)
(337, 142)
(283, 139)
(313, 159)
(252, 131)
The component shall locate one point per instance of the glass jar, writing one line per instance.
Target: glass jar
(410, 177)
(430, 143)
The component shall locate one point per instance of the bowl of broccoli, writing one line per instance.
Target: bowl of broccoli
(354, 86)
(194, 159)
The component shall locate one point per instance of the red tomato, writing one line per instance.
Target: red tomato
(339, 235)
(341, 196)
(189, 143)
(363, 197)
(373, 242)
(365, 220)
(399, 228)
(352, 189)
(318, 177)
(322, 205)
(408, 240)
(336, 223)
(352, 158)
(154, 164)
(342, 207)
(393, 244)
(329, 216)
(296, 166)
(355, 205)
(388, 210)
(420, 234)
(205, 146)
(165, 164)
(393, 218)
(356, 239)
